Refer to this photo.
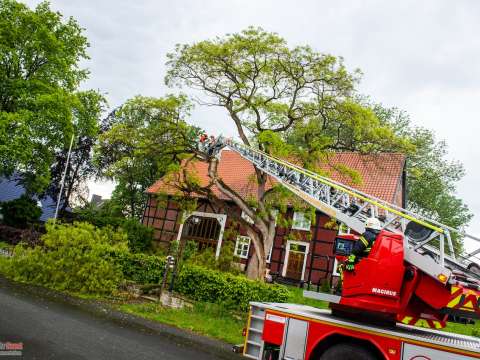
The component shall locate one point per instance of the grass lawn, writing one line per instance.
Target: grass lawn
(296, 297)
(471, 329)
(206, 319)
(217, 322)
(209, 319)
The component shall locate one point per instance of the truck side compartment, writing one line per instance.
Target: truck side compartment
(300, 332)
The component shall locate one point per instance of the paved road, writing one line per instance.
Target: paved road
(54, 329)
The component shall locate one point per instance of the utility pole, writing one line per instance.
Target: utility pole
(62, 182)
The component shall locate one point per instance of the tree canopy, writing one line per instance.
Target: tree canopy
(282, 100)
(40, 53)
(86, 128)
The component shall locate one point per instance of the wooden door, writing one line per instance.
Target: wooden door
(295, 264)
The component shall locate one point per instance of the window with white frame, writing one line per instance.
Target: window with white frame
(242, 246)
(247, 218)
(301, 221)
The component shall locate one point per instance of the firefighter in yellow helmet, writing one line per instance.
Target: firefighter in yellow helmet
(364, 244)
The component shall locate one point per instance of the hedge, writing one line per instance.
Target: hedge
(234, 291)
(142, 268)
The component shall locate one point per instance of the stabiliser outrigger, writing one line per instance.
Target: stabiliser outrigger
(415, 284)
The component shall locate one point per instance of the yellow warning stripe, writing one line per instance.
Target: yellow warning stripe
(430, 324)
(456, 300)
(468, 296)
(364, 241)
(406, 320)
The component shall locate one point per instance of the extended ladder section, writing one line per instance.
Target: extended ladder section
(352, 207)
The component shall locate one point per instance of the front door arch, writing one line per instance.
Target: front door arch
(206, 229)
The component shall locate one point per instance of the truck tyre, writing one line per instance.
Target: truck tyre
(347, 351)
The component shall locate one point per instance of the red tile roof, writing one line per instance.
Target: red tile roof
(380, 174)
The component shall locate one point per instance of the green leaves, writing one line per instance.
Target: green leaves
(39, 73)
(212, 286)
(76, 257)
(263, 84)
(147, 136)
(20, 212)
(286, 100)
(142, 268)
(109, 214)
(431, 178)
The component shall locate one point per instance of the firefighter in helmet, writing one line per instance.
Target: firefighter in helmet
(364, 244)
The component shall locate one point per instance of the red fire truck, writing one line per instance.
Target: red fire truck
(368, 320)
(393, 303)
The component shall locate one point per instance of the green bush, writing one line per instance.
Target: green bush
(139, 236)
(226, 262)
(190, 251)
(107, 214)
(212, 286)
(21, 212)
(142, 268)
(78, 257)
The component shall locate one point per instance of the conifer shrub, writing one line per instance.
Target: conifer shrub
(75, 257)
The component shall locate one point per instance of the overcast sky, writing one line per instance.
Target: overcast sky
(420, 56)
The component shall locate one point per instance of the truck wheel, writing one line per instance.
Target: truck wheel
(347, 352)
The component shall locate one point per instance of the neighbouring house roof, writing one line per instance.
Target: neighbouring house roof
(381, 174)
(10, 189)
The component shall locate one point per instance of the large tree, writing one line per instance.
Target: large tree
(147, 136)
(431, 178)
(40, 52)
(280, 99)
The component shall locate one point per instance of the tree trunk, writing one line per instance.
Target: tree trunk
(253, 270)
(261, 239)
(257, 265)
